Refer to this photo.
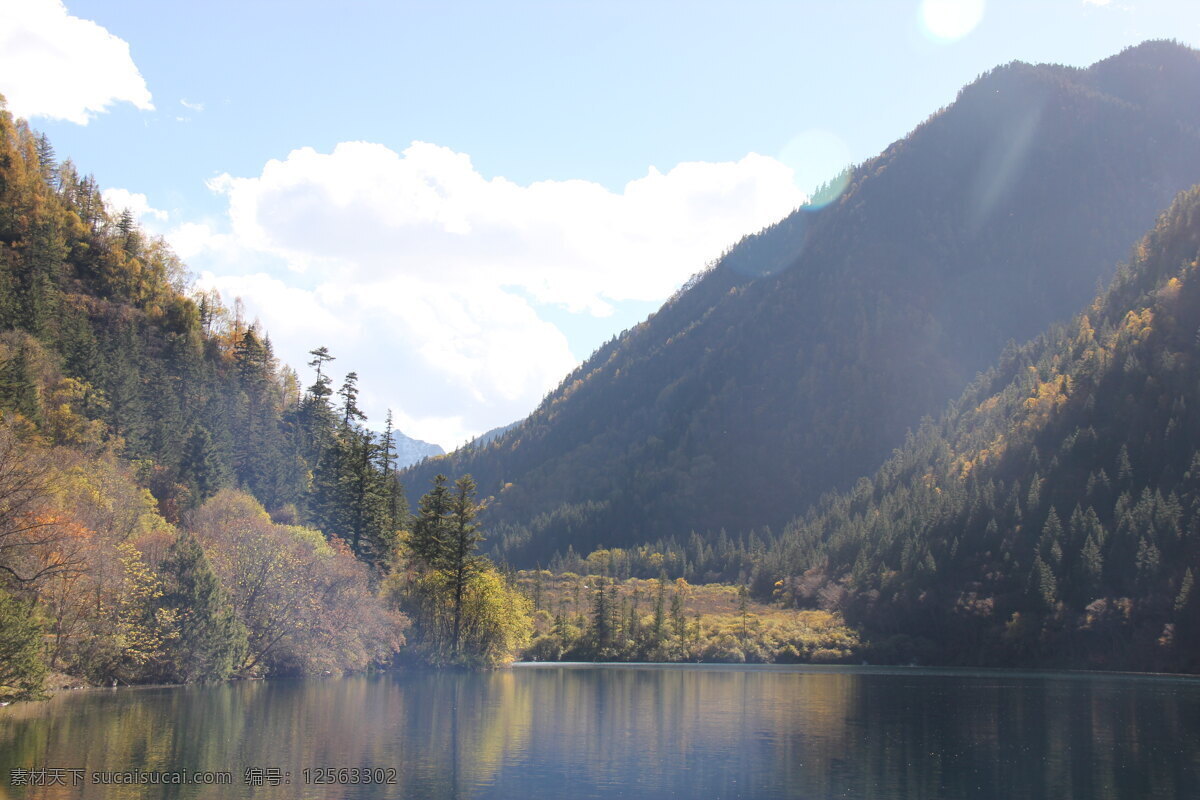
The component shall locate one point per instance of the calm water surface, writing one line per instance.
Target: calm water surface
(583, 731)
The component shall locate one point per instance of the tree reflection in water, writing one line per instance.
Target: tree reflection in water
(608, 731)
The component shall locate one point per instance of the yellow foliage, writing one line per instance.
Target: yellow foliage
(1170, 291)
(1047, 397)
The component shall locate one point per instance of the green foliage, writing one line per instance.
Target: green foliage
(493, 619)
(105, 358)
(200, 469)
(1112, 393)
(430, 540)
(212, 641)
(22, 668)
(463, 611)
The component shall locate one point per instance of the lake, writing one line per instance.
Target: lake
(602, 731)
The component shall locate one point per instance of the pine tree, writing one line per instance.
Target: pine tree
(660, 610)
(445, 538)
(321, 357)
(1043, 588)
(602, 626)
(1124, 469)
(1091, 571)
(201, 469)
(678, 621)
(212, 641)
(316, 416)
(47, 161)
(1185, 591)
(463, 564)
(19, 388)
(537, 588)
(1148, 559)
(1050, 544)
(396, 502)
(744, 610)
(430, 533)
(349, 395)
(22, 669)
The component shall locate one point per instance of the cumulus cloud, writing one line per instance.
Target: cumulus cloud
(426, 276)
(58, 66)
(117, 200)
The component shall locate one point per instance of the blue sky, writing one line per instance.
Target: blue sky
(461, 200)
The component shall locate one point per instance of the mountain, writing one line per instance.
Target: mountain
(1052, 516)
(487, 437)
(799, 362)
(131, 414)
(409, 450)
(102, 347)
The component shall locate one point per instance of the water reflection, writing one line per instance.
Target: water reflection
(634, 732)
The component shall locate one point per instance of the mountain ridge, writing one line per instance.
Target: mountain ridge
(1051, 515)
(760, 386)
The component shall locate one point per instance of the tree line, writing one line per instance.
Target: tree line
(174, 505)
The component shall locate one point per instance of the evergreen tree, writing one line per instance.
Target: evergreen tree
(349, 394)
(201, 469)
(47, 161)
(396, 503)
(1185, 591)
(602, 623)
(430, 534)
(18, 386)
(22, 669)
(1050, 544)
(659, 631)
(462, 563)
(444, 539)
(744, 610)
(212, 641)
(317, 420)
(457, 593)
(678, 621)
(1090, 573)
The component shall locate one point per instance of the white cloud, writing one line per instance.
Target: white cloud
(191, 106)
(62, 67)
(117, 200)
(370, 210)
(414, 269)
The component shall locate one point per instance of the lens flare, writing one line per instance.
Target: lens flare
(819, 161)
(950, 20)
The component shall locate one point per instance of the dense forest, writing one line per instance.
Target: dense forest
(800, 360)
(1052, 516)
(174, 506)
(1049, 516)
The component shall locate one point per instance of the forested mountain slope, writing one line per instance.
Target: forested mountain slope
(799, 361)
(131, 413)
(103, 348)
(1053, 514)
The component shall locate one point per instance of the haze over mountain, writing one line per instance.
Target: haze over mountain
(1053, 514)
(797, 363)
(410, 451)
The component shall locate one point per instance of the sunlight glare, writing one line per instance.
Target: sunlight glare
(818, 157)
(950, 20)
